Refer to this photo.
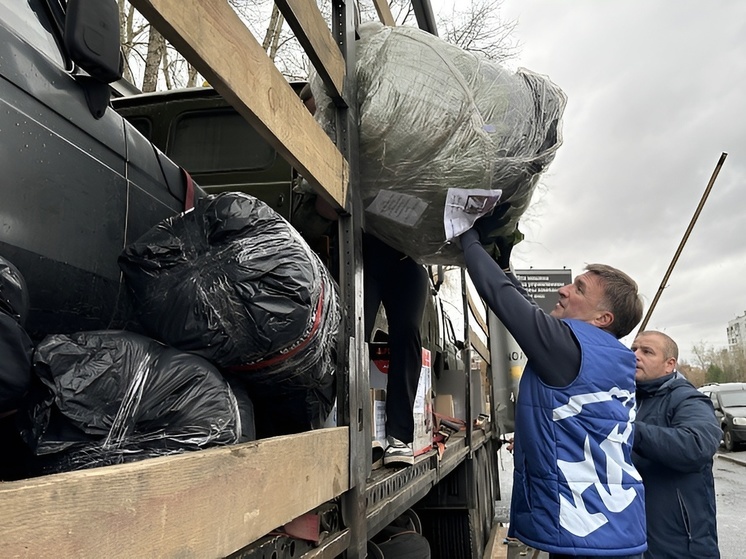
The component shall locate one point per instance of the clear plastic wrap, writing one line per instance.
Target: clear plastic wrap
(235, 283)
(113, 396)
(433, 116)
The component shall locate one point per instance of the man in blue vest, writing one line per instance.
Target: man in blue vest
(576, 492)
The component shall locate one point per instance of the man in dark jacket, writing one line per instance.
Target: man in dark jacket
(676, 436)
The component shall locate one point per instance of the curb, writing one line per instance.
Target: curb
(739, 461)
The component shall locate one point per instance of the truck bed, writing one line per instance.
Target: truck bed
(208, 503)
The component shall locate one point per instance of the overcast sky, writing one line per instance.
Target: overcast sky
(656, 92)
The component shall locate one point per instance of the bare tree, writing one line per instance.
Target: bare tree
(192, 76)
(720, 365)
(153, 59)
(271, 37)
(133, 28)
(478, 27)
(695, 375)
(475, 26)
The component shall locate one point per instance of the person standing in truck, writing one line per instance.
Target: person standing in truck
(396, 281)
(400, 284)
(576, 492)
(676, 437)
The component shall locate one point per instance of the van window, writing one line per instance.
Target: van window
(30, 21)
(209, 141)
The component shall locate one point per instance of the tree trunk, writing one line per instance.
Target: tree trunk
(126, 35)
(272, 36)
(276, 38)
(156, 46)
(166, 68)
(192, 76)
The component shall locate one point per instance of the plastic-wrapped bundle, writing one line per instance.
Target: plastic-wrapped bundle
(234, 282)
(432, 117)
(114, 396)
(15, 345)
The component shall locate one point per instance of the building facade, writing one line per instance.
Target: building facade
(737, 333)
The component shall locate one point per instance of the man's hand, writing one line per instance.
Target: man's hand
(491, 229)
(489, 226)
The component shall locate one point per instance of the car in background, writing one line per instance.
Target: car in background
(79, 182)
(729, 400)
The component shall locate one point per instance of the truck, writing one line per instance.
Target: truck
(103, 179)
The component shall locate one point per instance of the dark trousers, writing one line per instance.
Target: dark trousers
(401, 285)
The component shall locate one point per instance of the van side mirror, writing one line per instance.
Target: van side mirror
(92, 42)
(92, 38)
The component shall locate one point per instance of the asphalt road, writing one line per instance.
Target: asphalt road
(730, 489)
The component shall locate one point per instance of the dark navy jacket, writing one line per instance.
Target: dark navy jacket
(676, 436)
(575, 490)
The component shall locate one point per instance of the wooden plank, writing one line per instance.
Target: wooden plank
(477, 312)
(496, 549)
(479, 345)
(213, 39)
(306, 21)
(200, 504)
(384, 12)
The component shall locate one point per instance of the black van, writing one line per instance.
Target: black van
(79, 182)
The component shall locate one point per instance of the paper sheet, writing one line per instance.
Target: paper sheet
(464, 206)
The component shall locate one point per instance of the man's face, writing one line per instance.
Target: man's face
(581, 299)
(651, 358)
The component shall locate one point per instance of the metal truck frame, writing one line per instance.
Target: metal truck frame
(230, 501)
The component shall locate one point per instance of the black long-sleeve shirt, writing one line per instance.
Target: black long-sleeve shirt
(548, 342)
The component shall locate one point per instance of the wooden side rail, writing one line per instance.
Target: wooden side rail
(209, 503)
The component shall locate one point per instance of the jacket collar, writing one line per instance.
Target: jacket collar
(652, 387)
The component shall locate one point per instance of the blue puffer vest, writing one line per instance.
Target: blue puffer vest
(575, 489)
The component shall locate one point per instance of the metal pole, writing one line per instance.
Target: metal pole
(683, 241)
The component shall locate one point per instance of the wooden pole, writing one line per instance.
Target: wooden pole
(683, 241)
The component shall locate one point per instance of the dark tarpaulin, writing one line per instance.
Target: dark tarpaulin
(108, 397)
(235, 283)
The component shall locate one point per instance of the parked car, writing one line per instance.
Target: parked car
(79, 182)
(729, 400)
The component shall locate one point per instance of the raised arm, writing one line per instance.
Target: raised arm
(547, 341)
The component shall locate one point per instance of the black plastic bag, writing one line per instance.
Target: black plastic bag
(14, 299)
(234, 282)
(115, 396)
(15, 345)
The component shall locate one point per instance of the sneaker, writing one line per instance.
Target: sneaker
(398, 453)
(377, 454)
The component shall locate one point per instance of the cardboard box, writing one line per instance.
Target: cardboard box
(423, 408)
(378, 415)
(444, 405)
(379, 364)
(423, 404)
(453, 383)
